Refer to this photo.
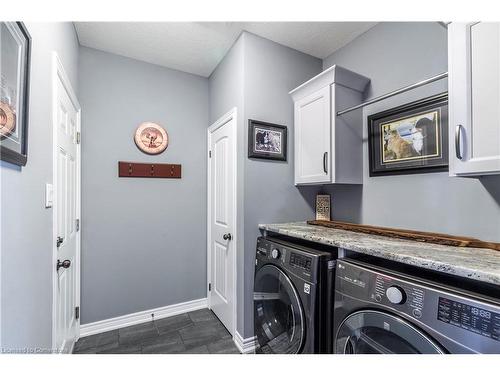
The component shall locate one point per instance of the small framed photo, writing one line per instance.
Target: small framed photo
(15, 49)
(412, 138)
(266, 140)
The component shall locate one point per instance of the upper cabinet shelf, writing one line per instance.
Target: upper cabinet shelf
(474, 98)
(329, 148)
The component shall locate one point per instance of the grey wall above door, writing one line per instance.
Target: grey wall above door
(394, 55)
(143, 240)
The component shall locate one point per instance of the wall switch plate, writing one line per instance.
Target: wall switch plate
(49, 195)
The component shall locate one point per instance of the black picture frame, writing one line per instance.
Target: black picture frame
(259, 144)
(409, 139)
(16, 152)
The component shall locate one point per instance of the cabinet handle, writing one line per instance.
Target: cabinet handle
(458, 133)
(325, 162)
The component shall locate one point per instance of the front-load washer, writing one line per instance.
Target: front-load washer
(382, 311)
(293, 298)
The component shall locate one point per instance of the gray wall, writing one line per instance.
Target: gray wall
(143, 240)
(256, 76)
(26, 225)
(394, 55)
(271, 71)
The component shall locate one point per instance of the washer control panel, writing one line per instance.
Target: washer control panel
(380, 289)
(392, 292)
(468, 317)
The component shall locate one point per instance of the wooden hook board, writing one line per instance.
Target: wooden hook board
(149, 170)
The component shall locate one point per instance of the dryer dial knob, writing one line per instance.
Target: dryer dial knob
(396, 295)
(275, 253)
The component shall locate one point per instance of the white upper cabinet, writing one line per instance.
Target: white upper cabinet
(312, 135)
(329, 148)
(474, 98)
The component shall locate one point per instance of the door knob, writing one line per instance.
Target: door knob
(227, 236)
(64, 264)
(59, 241)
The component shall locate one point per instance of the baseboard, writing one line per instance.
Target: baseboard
(141, 317)
(247, 345)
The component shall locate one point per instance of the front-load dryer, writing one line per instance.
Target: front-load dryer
(293, 298)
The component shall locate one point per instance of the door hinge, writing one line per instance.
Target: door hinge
(78, 138)
(77, 312)
(209, 154)
(77, 224)
(209, 287)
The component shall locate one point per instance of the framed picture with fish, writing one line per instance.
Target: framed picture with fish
(15, 49)
(266, 140)
(412, 138)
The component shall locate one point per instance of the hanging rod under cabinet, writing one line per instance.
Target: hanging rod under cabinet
(395, 92)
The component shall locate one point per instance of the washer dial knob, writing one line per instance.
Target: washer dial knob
(396, 295)
(275, 253)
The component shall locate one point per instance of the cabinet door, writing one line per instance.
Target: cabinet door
(474, 94)
(312, 138)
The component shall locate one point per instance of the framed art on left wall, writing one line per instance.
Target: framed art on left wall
(15, 49)
(266, 140)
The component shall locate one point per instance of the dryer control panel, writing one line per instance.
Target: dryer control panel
(301, 261)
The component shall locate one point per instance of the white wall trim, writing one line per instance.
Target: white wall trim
(141, 317)
(245, 346)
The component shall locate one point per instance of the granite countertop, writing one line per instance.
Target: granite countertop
(473, 263)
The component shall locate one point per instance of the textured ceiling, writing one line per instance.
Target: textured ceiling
(197, 47)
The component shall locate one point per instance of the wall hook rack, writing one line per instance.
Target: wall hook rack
(148, 170)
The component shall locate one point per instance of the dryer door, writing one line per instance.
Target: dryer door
(375, 332)
(278, 315)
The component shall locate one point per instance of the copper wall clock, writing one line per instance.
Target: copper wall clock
(151, 138)
(7, 120)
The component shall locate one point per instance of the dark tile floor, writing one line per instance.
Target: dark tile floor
(197, 332)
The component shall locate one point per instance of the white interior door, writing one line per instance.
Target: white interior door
(66, 210)
(221, 212)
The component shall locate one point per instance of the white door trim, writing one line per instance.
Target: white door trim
(232, 114)
(58, 73)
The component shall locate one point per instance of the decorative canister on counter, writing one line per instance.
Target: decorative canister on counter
(323, 211)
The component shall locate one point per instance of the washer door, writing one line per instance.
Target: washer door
(375, 332)
(278, 315)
